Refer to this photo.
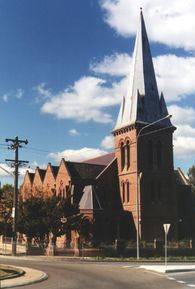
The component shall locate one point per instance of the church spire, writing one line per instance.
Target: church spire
(141, 103)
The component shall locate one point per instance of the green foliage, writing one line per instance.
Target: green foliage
(31, 218)
(191, 175)
(38, 217)
(6, 203)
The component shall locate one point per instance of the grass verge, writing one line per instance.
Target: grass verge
(7, 272)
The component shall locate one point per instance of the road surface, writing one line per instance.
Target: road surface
(90, 275)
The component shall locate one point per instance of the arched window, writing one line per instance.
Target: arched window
(61, 189)
(128, 192)
(128, 154)
(159, 154)
(122, 156)
(123, 192)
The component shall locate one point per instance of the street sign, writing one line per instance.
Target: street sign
(166, 228)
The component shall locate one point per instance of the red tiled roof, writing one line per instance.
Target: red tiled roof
(102, 160)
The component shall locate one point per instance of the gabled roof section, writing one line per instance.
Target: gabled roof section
(141, 103)
(55, 170)
(83, 171)
(101, 160)
(106, 168)
(41, 173)
(31, 176)
(89, 200)
(180, 178)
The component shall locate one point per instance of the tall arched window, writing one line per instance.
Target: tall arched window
(128, 192)
(122, 156)
(128, 154)
(123, 192)
(159, 154)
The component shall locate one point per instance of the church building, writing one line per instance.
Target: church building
(134, 189)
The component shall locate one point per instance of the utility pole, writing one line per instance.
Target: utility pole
(15, 145)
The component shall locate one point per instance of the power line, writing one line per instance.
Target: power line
(36, 149)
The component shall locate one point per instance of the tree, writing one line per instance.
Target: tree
(31, 219)
(38, 217)
(62, 216)
(6, 203)
(191, 176)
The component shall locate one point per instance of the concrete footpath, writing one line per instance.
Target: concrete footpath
(170, 268)
(30, 276)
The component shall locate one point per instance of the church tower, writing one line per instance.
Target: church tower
(144, 149)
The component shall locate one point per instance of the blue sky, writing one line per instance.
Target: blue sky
(64, 68)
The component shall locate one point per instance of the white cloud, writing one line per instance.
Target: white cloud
(184, 137)
(86, 100)
(43, 92)
(182, 115)
(5, 98)
(19, 93)
(5, 170)
(114, 65)
(175, 75)
(89, 97)
(107, 142)
(73, 132)
(184, 147)
(184, 142)
(171, 24)
(77, 155)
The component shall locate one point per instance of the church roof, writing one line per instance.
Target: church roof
(41, 173)
(84, 171)
(55, 170)
(89, 200)
(142, 103)
(31, 176)
(101, 160)
(180, 178)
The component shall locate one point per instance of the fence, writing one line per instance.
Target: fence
(6, 246)
(117, 248)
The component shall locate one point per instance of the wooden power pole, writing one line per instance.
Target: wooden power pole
(15, 145)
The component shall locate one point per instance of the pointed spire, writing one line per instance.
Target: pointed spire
(164, 111)
(141, 103)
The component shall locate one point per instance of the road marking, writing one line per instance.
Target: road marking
(181, 282)
(190, 285)
(171, 278)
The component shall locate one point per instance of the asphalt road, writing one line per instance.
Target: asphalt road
(187, 279)
(86, 275)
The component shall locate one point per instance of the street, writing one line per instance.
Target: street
(187, 279)
(86, 275)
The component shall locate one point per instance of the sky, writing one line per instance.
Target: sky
(64, 68)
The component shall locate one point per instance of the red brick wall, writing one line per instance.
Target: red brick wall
(62, 179)
(152, 213)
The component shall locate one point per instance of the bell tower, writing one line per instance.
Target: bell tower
(143, 147)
